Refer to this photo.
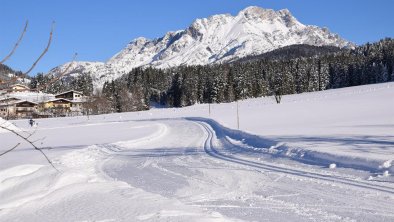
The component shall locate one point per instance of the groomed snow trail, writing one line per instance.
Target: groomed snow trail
(184, 169)
(197, 164)
(210, 149)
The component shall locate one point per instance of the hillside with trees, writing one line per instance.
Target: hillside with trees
(289, 70)
(9, 76)
(293, 70)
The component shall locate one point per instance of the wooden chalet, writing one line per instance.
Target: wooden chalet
(77, 100)
(70, 95)
(58, 107)
(18, 109)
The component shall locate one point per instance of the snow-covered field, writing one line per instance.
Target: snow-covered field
(324, 156)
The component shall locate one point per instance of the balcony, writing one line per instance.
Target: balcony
(25, 109)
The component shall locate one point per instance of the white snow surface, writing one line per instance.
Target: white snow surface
(6, 126)
(183, 164)
(217, 39)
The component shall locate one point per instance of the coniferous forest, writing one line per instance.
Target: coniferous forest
(290, 70)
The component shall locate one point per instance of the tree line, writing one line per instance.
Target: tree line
(290, 70)
(276, 75)
(82, 83)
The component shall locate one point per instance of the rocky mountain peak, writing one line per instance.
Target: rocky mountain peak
(253, 11)
(216, 39)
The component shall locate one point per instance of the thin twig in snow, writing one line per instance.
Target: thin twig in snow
(31, 143)
(7, 151)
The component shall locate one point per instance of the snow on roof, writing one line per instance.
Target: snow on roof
(31, 96)
(8, 98)
(68, 92)
(23, 101)
(18, 102)
(54, 100)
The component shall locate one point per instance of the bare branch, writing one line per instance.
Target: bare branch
(16, 44)
(44, 52)
(31, 143)
(62, 74)
(7, 151)
(41, 139)
(29, 134)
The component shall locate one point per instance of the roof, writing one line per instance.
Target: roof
(18, 84)
(17, 102)
(54, 100)
(9, 98)
(23, 101)
(69, 92)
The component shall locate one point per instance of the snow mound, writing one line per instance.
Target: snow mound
(332, 166)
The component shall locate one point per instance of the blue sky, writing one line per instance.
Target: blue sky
(98, 29)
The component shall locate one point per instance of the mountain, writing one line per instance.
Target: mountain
(217, 39)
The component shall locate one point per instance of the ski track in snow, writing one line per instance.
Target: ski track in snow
(91, 170)
(177, 169)
(167, 162)
(210, 150)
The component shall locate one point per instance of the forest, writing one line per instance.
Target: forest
(289, 70)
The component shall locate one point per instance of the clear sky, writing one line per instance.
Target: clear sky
(97, 29)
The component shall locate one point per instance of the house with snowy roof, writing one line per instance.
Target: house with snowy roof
(77, 100)
(70, 95)
(57, 107)
(18, 109)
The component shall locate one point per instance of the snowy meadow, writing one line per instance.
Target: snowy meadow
(321, 156)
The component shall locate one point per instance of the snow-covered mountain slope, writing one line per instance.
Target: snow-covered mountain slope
(217, 39)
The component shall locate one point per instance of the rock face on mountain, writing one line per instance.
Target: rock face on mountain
(217, 39)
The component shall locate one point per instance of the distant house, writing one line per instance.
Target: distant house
(59, 107)
(18, 109)
(77, 100)
(70, 95)
(56, 103)
(7, 107)
(70, 103)
(19, 88)
(25, 109)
